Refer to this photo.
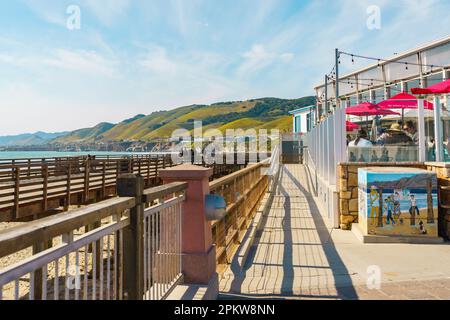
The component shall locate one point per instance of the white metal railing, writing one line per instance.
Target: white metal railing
(274, 168)
(383, 154)
(111, 250)
(86, 266)
(162, 248)
(326, 146)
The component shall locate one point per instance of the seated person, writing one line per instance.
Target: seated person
(411, 131)
(361, 140)
(394, 136)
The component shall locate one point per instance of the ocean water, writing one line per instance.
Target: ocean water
(53, 154)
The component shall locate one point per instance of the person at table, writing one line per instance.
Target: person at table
(361, 140)
(411, 131)
(394, 136)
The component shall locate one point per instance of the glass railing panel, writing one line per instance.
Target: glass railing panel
(383, 154)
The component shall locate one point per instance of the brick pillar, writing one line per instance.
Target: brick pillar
(199, 253)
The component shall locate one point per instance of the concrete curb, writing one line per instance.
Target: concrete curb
(356, 230)
(186, 292)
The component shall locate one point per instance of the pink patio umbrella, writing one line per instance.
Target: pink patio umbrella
(403, 101)
(351, 126)
(438, 88)
(369, 109)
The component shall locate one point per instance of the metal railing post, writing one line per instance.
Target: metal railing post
(129, 185)
(421, 129)
(438, 133)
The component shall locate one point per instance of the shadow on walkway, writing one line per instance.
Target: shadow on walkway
(341, 275)
(344, 287)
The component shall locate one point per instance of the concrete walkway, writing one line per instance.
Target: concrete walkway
(298, 256)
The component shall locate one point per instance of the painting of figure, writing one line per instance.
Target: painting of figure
(399, 201)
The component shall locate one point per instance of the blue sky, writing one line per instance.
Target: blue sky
(139, 56)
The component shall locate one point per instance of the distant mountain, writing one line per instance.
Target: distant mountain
(85, 135)
(263, 113)
(29, 139)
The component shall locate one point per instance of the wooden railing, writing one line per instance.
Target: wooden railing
(243, 192)
(32, 188)
(128, 247)
(115, 249)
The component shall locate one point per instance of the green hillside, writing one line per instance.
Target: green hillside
(86, 135)
(264, 113)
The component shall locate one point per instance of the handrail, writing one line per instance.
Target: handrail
(119, 237)
(243, 192)
(21, 237)
(159, 192)
(215, 184)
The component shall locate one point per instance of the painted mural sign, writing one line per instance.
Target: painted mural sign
(398, 201)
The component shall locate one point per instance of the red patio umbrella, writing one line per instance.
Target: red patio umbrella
(403, 101)
(351, 126)
(369, 109)
(438, 88)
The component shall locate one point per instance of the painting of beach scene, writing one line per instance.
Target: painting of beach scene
(398, 201)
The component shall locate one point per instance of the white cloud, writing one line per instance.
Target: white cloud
(259, 57)
(83, 61)
(79, 61)
(156, 60)
(287, 57)
(107, 11)
(53, 12)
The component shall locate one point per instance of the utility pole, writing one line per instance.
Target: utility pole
(325, 106)
(337, 78)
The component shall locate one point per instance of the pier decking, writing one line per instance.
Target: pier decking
(297, 255)
(32, 188)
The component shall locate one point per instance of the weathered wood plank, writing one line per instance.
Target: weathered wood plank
(21, 237)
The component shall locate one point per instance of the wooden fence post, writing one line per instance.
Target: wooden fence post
(87, 169)
(69, 176)
(45, 187)
(16, 191)
(104, 180)
(129, 185)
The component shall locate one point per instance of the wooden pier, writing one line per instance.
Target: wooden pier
(35, 188)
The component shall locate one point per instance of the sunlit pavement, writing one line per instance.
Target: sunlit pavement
(298, 256)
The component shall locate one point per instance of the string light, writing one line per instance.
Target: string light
(390, 61)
